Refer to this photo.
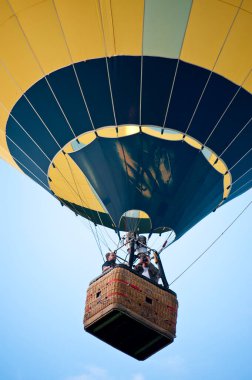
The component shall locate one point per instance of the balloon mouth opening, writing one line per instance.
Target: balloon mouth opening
(135, 220)
(140, 222)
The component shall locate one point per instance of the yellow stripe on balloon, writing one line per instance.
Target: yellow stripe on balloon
(69, 183)
(218, 40)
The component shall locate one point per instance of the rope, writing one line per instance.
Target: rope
(240, 159)
(141, 72)
(175, 73)
(41, 68)
(38, 179)
(245, 184)
(241, 176)
(107, 66)
(226, 109)
(28, 101)
(215, 63)
(77, 79)
(244, 127)
(207, 249)
(46, 174)
(99, 244)
(73, 65)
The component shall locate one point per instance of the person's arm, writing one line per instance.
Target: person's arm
(154, 271)
(105, 266)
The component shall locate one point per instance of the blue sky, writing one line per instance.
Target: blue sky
(47, 259)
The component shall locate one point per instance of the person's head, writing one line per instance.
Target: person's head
(142, 239)
(144, 259)
(110, 256)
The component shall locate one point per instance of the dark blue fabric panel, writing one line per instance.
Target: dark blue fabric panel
(170, 181)
(30, 122)
(45, 104)
(241, 182)
(27, 163)
(241, 167)
(218, 94)
(94, 80)
(189, 84)
(238, 114)
(209, 194)
(96, 217)
(241, 189)
(101, 165)
(125, 81)
(67, 90)
(157, 82)
(239, 147)
(142, 153)
(18, 136)
(44, 184)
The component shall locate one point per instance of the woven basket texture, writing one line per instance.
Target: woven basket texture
(133, 294)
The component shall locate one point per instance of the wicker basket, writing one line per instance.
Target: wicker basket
(140, 305)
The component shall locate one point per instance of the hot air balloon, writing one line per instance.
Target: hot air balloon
(134, 114)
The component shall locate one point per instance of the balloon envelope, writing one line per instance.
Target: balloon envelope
(129, 110)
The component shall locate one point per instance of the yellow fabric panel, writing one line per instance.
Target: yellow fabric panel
(226, 183)
(9, 90)
(194, 143)
(128, 130)
(236, 3)
(4, 151)
(81, 25)
(235, 61)
(220, 166)
(127, 18)
(122, 25)
(248, 83)
(165, 136)
(247, 5)
(68, 148)
(87, 138)
(207, 29)
(19, 5)
(108, 132)
(73, 187)
(143, 215)
(104, 15)
(5, 11)
(7, 157)
(123, 130)
(42, 29)
(17, 56)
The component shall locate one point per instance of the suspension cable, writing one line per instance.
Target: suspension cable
(44, 185)
(238, 179)
(207, 249)
(141, 71)
(77, 79)
(73, 66)
(215, 63)
(241, 159)
(41, 68)
(99, 244)
(245, 184)
(107, 65)
(175, 73)
(244, 127)
(88, 219)
(225, 111)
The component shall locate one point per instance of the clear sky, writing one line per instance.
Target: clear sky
(47, 259)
